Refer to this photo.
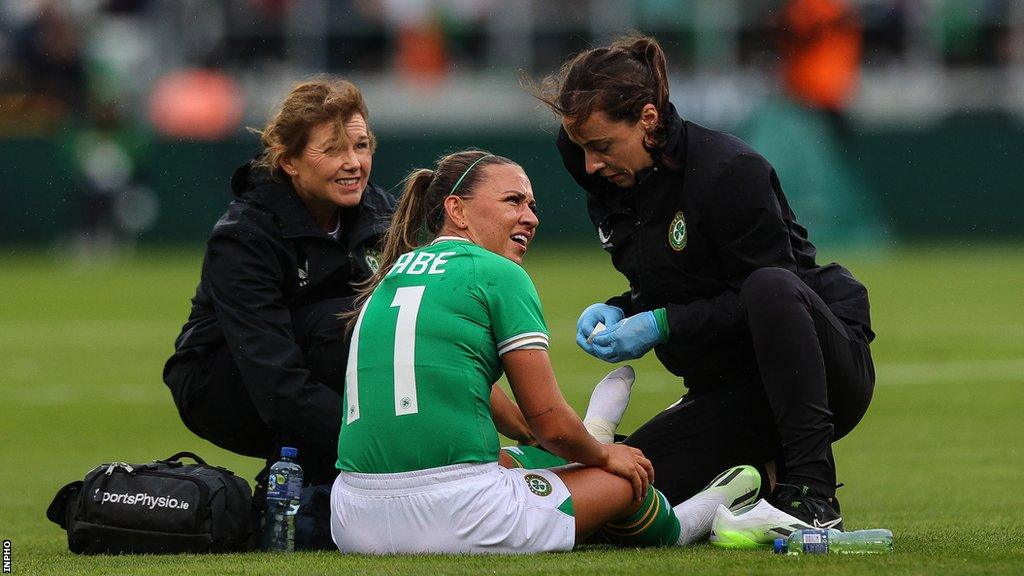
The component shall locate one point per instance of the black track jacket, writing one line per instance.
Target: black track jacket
(699, 221)
(265, 258)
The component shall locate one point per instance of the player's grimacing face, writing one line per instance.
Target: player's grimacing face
(501, 215)
(333, 169)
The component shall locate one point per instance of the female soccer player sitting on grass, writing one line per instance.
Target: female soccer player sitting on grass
(418, 449)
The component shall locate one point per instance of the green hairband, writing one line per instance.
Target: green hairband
(459, 181)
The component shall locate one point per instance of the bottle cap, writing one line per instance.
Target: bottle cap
(780, 545)
(289, 452)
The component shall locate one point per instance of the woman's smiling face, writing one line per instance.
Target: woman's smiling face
(333, 168)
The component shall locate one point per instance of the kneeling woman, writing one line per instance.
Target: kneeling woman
(256, 366)
(438, 323)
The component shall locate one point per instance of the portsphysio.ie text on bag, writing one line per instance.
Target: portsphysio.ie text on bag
(163, 507)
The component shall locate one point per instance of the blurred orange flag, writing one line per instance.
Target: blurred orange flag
(197, 103)
(421, 54)
(821, 44)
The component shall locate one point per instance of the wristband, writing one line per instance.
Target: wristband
(661, 319)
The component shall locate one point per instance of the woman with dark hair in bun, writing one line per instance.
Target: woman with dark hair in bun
(723, 286)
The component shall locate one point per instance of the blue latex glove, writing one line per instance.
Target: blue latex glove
(595, 313)
(630, 338)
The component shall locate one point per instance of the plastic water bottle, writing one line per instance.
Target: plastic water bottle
(284, 489)
(835, 542)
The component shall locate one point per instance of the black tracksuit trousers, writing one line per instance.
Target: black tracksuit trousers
(809, 383)
(215, 403)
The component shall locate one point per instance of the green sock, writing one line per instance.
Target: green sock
(654, 524)
(531, 457)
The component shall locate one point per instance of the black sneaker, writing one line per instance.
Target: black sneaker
(800, 501)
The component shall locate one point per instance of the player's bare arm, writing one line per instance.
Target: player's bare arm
(508, 418)
(559, 429)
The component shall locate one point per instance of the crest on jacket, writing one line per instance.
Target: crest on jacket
(677, 232)
(373, 260)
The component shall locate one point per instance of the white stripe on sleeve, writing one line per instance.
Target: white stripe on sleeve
(524, 341)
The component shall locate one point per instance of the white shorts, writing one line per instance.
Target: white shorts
(465, 508)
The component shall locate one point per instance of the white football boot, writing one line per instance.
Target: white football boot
(754, 526)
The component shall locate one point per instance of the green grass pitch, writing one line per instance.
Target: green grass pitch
(939, 458)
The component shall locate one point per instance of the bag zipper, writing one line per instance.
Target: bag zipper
(115, 465)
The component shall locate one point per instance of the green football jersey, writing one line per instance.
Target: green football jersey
(426, 350)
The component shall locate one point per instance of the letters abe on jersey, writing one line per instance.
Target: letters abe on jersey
(415, 263)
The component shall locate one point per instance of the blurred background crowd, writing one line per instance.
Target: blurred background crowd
(888, 120)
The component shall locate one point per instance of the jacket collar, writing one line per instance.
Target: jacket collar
(673, 155)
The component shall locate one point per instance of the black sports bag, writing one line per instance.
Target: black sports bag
(162, 507)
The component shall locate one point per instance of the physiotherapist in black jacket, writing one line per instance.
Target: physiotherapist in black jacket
(260, 363)
(723, 282)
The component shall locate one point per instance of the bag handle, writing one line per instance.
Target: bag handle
(184, 454)
(175, 461)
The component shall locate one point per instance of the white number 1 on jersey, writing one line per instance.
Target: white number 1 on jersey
(407, 299)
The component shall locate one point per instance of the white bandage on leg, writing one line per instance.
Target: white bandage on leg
(608, 403)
